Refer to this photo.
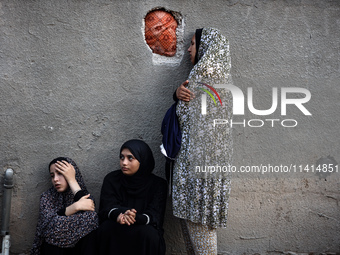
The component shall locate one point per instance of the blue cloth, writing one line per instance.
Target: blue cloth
(171, 132)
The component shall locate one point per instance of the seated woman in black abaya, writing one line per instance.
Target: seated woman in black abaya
(132, 205)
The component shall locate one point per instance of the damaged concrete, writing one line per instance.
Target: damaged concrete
(77, 79)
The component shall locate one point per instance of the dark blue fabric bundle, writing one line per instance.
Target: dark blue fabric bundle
(171, 132)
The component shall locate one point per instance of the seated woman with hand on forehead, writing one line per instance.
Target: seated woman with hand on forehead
(67, 217)
(132, 205)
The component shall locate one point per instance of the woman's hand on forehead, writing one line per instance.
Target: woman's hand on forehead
(68, 171)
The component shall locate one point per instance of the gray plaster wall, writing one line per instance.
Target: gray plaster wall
(77, 79)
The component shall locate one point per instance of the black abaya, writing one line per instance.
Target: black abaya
(145, 236)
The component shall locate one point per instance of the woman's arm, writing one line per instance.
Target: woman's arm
(110, 202)
(154, 213)
(56, 229)
(83, 204)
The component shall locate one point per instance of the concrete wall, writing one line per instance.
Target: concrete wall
(78, 79)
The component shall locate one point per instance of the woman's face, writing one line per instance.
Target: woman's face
(192, 50)
(128, 163)
(58, 180)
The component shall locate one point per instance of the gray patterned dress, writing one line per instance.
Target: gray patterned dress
(201, 194)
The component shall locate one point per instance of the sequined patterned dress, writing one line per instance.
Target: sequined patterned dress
(201, 182)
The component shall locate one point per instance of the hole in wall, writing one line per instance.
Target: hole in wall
(160, 32)
(163, 33)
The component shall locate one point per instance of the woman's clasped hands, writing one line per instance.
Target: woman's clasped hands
(128, 218)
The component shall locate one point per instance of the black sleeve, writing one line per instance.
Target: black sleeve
(141, 219)
(156, 208)
(62, 211)
(110, 198)
(76, 198)
(174, 97)
(114, 212)
(79, 195)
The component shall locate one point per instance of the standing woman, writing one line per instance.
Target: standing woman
(67, 217)
(132, 205)
(201, 197)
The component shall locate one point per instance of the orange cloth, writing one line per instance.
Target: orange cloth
(160, 32)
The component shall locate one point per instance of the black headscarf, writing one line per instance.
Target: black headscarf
(138, 183)
(198, 35)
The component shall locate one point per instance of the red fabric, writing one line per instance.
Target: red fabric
(160, 32)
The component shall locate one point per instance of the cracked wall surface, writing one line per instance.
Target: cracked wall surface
(77, 79)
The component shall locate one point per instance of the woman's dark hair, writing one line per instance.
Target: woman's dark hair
(198, 35)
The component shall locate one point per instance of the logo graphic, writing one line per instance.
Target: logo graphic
(287, 95)
(238, 99)
(204, 97)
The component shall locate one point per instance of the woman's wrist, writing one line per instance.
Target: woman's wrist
(74, 186)
(76, 191)
(72, 209)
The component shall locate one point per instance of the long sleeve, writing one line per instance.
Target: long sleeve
(174, 96)
(64, 231)
(150, 209)
(156, 207)
(110, 199)
(76, 198)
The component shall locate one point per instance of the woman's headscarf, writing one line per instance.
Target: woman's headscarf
(67, 195)
(62, 231)
(139, 182)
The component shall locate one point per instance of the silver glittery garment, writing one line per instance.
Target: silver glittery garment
(199, 195)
